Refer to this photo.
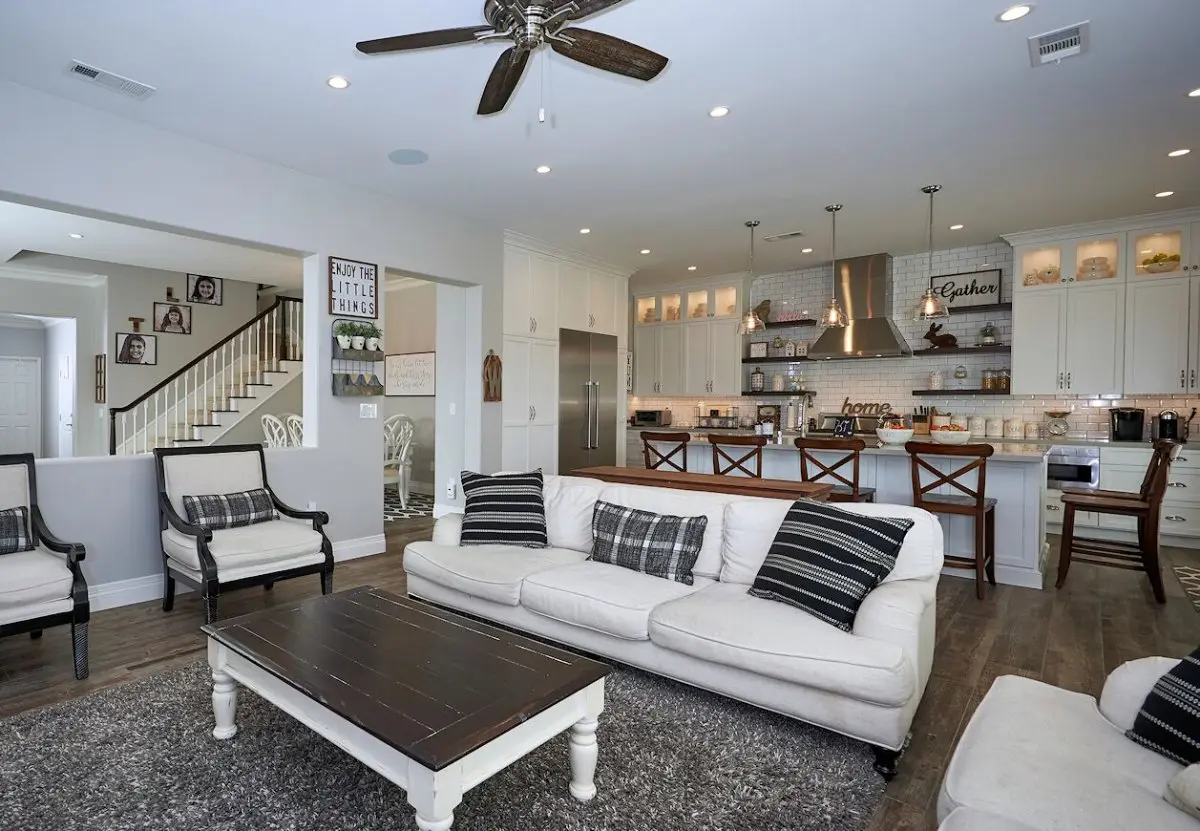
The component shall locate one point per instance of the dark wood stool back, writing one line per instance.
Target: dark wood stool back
(847, 489)
(725, 463)
(969, 501)
(1145, 507)
(656, 458)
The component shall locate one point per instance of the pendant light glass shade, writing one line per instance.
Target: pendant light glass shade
(834, 317)
(930, 307)
(751, 322)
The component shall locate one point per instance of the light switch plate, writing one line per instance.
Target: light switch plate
(368, 411)
(453, 408)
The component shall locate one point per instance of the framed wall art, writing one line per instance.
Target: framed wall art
(173, 318)
(137, 348)
(353, 288)
(412, 374)
(758, 349)
(204, 289)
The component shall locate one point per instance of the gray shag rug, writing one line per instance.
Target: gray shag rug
(141, 756)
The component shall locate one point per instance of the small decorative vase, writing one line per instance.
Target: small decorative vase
(357, 342)
(373, 344)
(756, 380)
(343, 341)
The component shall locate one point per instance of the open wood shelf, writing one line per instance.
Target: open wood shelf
(990, 307)
(951, 393)
(796, 360)
(774, 393)
(788, 324)
(996, 348)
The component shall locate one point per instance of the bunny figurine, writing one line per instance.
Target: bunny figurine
(940, 341)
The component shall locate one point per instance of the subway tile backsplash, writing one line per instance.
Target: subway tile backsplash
(893, 380)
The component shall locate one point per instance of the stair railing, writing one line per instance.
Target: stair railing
(172, 409)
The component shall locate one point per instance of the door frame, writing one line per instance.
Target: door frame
(37, 423)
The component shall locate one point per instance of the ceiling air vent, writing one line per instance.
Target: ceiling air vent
(779, 237)
(1055, 46)
(110, 80)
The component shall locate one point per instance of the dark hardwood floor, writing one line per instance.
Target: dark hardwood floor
(1071, 638)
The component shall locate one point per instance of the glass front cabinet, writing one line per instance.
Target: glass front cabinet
(693, 304)
(1164, 252)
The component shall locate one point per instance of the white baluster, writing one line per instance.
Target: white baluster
(146, 420)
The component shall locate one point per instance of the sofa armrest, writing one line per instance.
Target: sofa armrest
(74, 551)
(1127, 686)
(319, 519)
(902, 613)
(448, 529)
(179, 523)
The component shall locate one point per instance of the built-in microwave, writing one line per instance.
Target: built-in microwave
(1068, 466)
(651, 418)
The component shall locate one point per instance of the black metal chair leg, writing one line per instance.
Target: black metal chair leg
(35, 634)
(168, 592)
(326, 582)
(210, 608)
(887, 761)
(268, 586)
(79, 645)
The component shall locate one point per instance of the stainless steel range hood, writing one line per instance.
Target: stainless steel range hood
(864, 288)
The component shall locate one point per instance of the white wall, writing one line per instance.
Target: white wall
(411, 326)
(28, 342)
(60, 352)
(249, 430)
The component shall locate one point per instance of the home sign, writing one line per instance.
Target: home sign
(353, 288)
(977, 288)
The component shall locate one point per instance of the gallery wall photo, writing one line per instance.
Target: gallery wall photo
(204, 289)
(173, 318)
(137, 348)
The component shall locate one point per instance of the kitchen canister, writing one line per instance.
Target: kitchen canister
(994, 428)
(977, 425)
(1014, 428)
(936, 380)
(960, 421)
(941, 421)
(1033, 430)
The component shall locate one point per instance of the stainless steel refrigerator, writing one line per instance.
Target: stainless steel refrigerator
(587, 400)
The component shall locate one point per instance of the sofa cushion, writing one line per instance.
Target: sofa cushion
(32, 577)
(249, 546)
(1183, 791)
(964, 819)
(723, 624)
(750, 524)
(1046, 757)
(569, 504)
(490, 572)
(601, 597)
(505, 509)
(1169, 719)
(14, 530)
(824, 560)
(681, 503)
(215, 511)
(655, 544)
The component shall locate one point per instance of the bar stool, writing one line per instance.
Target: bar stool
(848, 490)
(1144, 506)
(721, 456)
(972, 503)
(655, 458)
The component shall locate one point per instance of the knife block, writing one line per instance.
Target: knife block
(920, 424)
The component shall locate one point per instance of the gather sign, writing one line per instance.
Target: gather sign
(976, 288)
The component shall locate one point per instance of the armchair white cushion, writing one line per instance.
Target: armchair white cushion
(253, 549)
(33, 584)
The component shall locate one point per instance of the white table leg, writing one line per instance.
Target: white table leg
(224, 700)
(584, 753)
(434, 795)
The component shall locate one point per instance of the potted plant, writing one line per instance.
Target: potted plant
(373, 335)
(344, 331)
(358, 337)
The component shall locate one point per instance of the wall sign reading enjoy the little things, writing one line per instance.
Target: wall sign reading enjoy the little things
(976, 288)
(353, 288)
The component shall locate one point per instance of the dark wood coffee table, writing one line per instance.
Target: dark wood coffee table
(432, 700)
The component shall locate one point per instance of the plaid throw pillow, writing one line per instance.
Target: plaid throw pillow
(217, 511)
(14, 530)
(504, 510)
(825, 560)
(1169, 721)
(654, 544)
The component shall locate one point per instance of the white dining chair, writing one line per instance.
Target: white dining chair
(274, 431)
(397, 453)
(295, 428)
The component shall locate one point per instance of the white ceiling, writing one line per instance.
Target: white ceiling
(25, 228)
(860, 102)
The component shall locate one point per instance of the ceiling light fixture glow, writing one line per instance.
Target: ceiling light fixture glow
(645, 251)
(75, 236)
(585, 230)
(1194, 93)
(805, 250)
(1175, 154)
(337, 82)
(543, 169)
(691, 268)
(719, 112)
(958, 227)
(1162, 194)
(1014, 12)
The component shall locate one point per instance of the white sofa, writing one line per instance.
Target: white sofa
(1035, 757)
(713, 634)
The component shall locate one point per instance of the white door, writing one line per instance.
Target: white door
(645, 360)
(543, 448)
(514, 455)
(726, 347)
(543, 382)
(21, 405)
(670, 360)
(518, 319)
(1156, 336)
(696, 354)
(573, 312)
(66, 408)
(1095, 340)
(543, 297)
(1039, 327)
(602, 289)
(515, 408)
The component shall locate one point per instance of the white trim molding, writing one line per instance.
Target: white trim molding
(1111, 226)
(360, 547)
(577, 257)
(70, 278)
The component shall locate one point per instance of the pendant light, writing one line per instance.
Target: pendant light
(751, 322)
(833, 317)
(930, 307)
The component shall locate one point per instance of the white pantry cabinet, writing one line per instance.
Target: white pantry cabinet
(658, 367)
(529, 408)
(586, 299)
(1159, 344)
(530, 294)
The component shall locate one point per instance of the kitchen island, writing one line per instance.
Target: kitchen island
(1016, 478)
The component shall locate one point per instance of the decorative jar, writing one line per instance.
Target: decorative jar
(756, 380)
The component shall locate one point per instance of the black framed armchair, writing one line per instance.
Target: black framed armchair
(267, 542)
(43, 585)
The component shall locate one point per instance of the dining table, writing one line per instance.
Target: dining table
(708, 482)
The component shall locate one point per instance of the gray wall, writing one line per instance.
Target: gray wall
(60, 346)
(289, 399)
(410, 325)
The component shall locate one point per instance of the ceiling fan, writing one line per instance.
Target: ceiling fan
(530, 24)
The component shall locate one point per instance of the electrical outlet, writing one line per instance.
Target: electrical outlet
(312, 506)
(451, 489)
(453, 408)
(368, 411)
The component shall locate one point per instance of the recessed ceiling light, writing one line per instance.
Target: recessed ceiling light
(543, 169)
(691, 268)
(956, 227)
(407, 157)
(1164, 193)
(337, 82)
(1194, 93)
(805, 250)
(75, 236)
(645, 250)
(719, 112)
(1014, 12)
(585, 230)
(1174, 154)
(1146, 251)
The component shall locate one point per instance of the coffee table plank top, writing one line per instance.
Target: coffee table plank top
(430, 683)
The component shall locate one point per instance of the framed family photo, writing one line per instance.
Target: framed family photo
(204, 289)
(173, 318)
(136, 348)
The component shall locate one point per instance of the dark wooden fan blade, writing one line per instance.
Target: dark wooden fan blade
(422, 40)
(586, 7)
(610, 53)
(506, 74)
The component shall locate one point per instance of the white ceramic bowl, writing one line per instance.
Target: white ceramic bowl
(894, 435)
(950, 436)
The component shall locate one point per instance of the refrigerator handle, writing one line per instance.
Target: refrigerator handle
(594, 416)
(587, 436)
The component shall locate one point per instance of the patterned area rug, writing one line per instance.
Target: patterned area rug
(419, 505)
(1189, 578)
(142, 756)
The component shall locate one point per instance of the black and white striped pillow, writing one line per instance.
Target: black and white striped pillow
(1169, 720)
(507, 509)
(656, 544)
(825, 560)
(218, 511)
(14, 530)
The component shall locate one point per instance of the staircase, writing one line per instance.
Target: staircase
(222, 386)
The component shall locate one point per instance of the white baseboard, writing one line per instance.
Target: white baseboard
(361, 547)
(1005, 576)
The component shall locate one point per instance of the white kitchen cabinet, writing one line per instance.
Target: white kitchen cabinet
(602, 290)
(1039, 342)
(586, 299)
(697, 358)
(621, 311)
(1179, 243)
(517, 317)
(542, 448)
(645, 361)
(529, 408)
(1095, 341)
(543, 297)
(726, 346)
(514, 455)
(530, 295)
(658, 360)
(670, 360)
(1158, 350)
(1194, 342)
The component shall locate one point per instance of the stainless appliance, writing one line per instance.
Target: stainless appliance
(587, 400)
(1127, 423)
(651, 418)
(864, 289)
(1166, 425)
(1068, 466)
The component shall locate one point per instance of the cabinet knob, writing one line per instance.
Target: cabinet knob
(1174, 518)
(1068, 380)
(1060, 380)
(1053, 508)
(1183, 379)
(1176, 484)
